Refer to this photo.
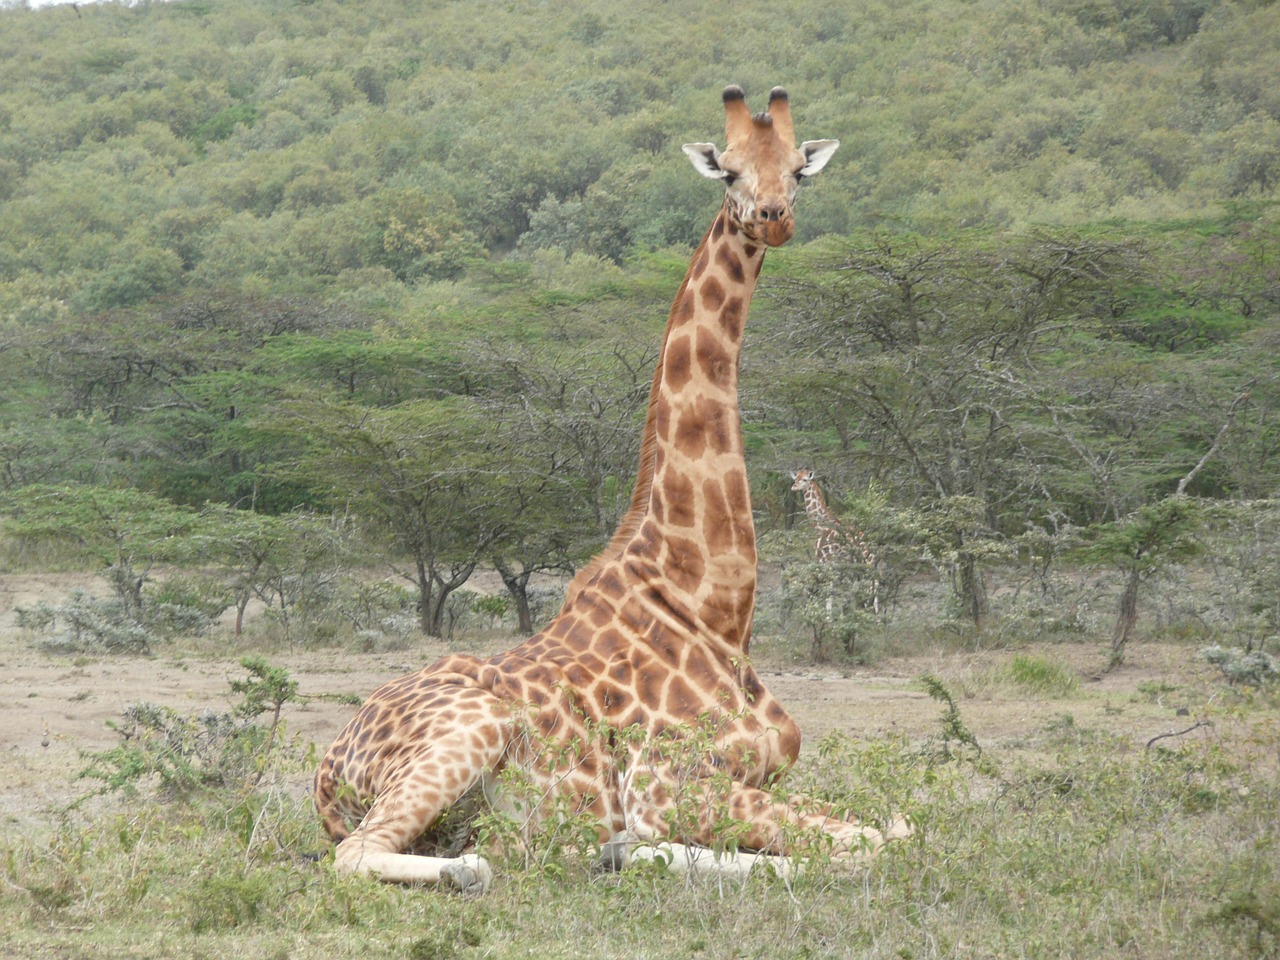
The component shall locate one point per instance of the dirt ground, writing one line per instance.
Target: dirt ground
(52, 708)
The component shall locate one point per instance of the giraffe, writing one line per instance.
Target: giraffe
(654, 632)
(835, 541)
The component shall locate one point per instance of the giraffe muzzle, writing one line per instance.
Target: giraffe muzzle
(774, 224)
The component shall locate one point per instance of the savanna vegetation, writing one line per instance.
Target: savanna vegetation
(309, 311)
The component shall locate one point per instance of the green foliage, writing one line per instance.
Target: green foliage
(1042, 676)
(1254, 914)
(1251, 667)
(294, 564)
(834, 602)
(219, 215)
(87, 624)
(118, 527)
(267, 688)
(316, 129)
(1115, 847)
(953, 726)
(223, 123)
(126, 533)
(1155, 534)
(494, 606)
(186, 754)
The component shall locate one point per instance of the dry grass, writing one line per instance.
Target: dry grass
(1060, 834)
(1087, 845)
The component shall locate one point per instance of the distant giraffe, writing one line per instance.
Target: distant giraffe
(654, 632)
(835, 541)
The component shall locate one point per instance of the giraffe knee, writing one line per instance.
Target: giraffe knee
(615, 854)
(352, 855)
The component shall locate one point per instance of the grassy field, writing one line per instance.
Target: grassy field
(1060, 814)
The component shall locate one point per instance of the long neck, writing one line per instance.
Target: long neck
(816, 506)
(638, 508)
(695, 536)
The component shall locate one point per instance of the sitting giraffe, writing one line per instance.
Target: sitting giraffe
(835, 541)
(654, 632)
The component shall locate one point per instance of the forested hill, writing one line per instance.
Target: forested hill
(150, 148)
(407, 262)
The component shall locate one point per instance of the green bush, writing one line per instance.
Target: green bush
(1041, 675)
(184, 753)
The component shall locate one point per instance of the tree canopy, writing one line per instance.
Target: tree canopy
(412, 261)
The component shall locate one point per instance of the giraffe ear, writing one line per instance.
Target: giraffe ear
(816, 154)
(706, 159)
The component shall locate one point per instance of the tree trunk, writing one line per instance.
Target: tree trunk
(433, 625)
(1128, 616)
(972, 591)
(521, 596)
(128, 587)
(437, 595)
(517, 583)
(242, 603)
(425, 592)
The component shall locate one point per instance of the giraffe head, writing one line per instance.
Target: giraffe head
(802, 479)
(761, 166)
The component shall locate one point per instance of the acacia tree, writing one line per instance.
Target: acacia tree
(279, 559)
(425, 477)
(1139, 546)
(125, 532)
(574, 415)
(910, 353)
(572, 418)
(540, 546)
(1152, 537)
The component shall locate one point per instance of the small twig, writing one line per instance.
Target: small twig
(1198, 723)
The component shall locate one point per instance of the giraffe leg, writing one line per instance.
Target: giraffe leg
(768, 829)
(469, 873)
(681, 858)
(421, 787)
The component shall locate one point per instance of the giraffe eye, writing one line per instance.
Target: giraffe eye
(729, 179)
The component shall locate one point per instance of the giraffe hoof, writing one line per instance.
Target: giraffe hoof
(616, 854)
(470, 875)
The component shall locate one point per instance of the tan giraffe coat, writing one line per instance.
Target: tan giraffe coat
(654, 632)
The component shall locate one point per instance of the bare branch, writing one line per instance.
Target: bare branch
(1179, 733)
(1217, 442)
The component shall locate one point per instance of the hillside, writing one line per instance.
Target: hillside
(332, 148)
(291, 256)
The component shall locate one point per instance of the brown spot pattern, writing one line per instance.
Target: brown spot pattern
(731, 264)
(717, 527)
(676, 369)
(690, 438)
(679, 489)
(685, 308)
(714, 359)
(712, 294)
(731, 318)
(685, 564)
(700, 261)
